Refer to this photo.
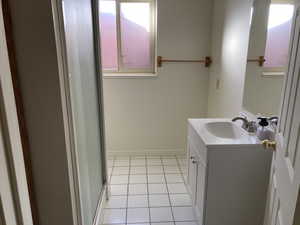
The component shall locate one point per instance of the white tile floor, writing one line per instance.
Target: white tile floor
(148, 190)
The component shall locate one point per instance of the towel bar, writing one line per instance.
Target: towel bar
(207, 61)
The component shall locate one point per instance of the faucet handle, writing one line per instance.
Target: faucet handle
(274, 121)
(244, 116)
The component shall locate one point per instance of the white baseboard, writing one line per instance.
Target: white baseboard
(100, 207)
(111, 152)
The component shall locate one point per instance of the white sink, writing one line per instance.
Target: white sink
(221, 132)
(224, 129)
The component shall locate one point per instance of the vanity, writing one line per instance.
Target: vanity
(228, 173)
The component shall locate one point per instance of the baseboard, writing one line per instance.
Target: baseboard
(100, 207)
(153, 152)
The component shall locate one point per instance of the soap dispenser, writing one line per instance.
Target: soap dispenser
(263, 132)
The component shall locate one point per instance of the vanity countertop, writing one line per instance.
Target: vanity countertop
(216, 133)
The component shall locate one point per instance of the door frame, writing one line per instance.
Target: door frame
(15, 207)
(57, 11)
(5, 9)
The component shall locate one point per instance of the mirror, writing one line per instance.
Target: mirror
(270, 26)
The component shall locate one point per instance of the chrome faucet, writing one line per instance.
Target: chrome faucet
(249, 126)
(273, 121)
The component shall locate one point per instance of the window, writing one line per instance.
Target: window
(127, 35)
(278, 36)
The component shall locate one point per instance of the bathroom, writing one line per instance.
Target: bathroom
(146, 113)
(159, 112)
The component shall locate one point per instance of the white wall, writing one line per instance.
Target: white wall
(231, 21)
(145, 114)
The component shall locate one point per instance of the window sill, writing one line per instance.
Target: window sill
(129, 75)
(273, 74)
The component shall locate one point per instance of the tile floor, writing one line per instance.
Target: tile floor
(148, 190)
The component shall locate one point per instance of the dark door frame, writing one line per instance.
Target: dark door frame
(20, 108)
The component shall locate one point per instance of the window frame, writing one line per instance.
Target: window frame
(122, 70)
(276, 70)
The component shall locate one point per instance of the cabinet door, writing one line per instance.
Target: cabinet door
(192, 173)
(200, 192)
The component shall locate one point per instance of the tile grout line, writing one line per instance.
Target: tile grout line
(148, 198)
(163, 166)
(128, 178)
(182, 206)
(157, 182)
(181, 172)
(142, 194)
(138, 223)
(112, 169)
(185, 184)
(109, 180)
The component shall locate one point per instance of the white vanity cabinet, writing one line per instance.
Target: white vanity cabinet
(192, 171)
(196, 180)
(227, 181)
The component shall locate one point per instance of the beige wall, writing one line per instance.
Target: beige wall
(151, 113)
(231, 21)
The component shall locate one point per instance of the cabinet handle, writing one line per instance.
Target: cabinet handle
(192, 157)
(194, 161)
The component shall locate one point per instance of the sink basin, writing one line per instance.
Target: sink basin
(224, 129)
(221, 133)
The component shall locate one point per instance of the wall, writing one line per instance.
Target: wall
(37, 67)
(231, 21)
(150, 114)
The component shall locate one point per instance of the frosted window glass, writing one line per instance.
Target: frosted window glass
(135, 35)
(278, 36)
(108, 30)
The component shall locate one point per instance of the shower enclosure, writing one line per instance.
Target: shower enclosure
(85, 104)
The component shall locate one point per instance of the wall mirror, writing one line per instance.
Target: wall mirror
(270, 27)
